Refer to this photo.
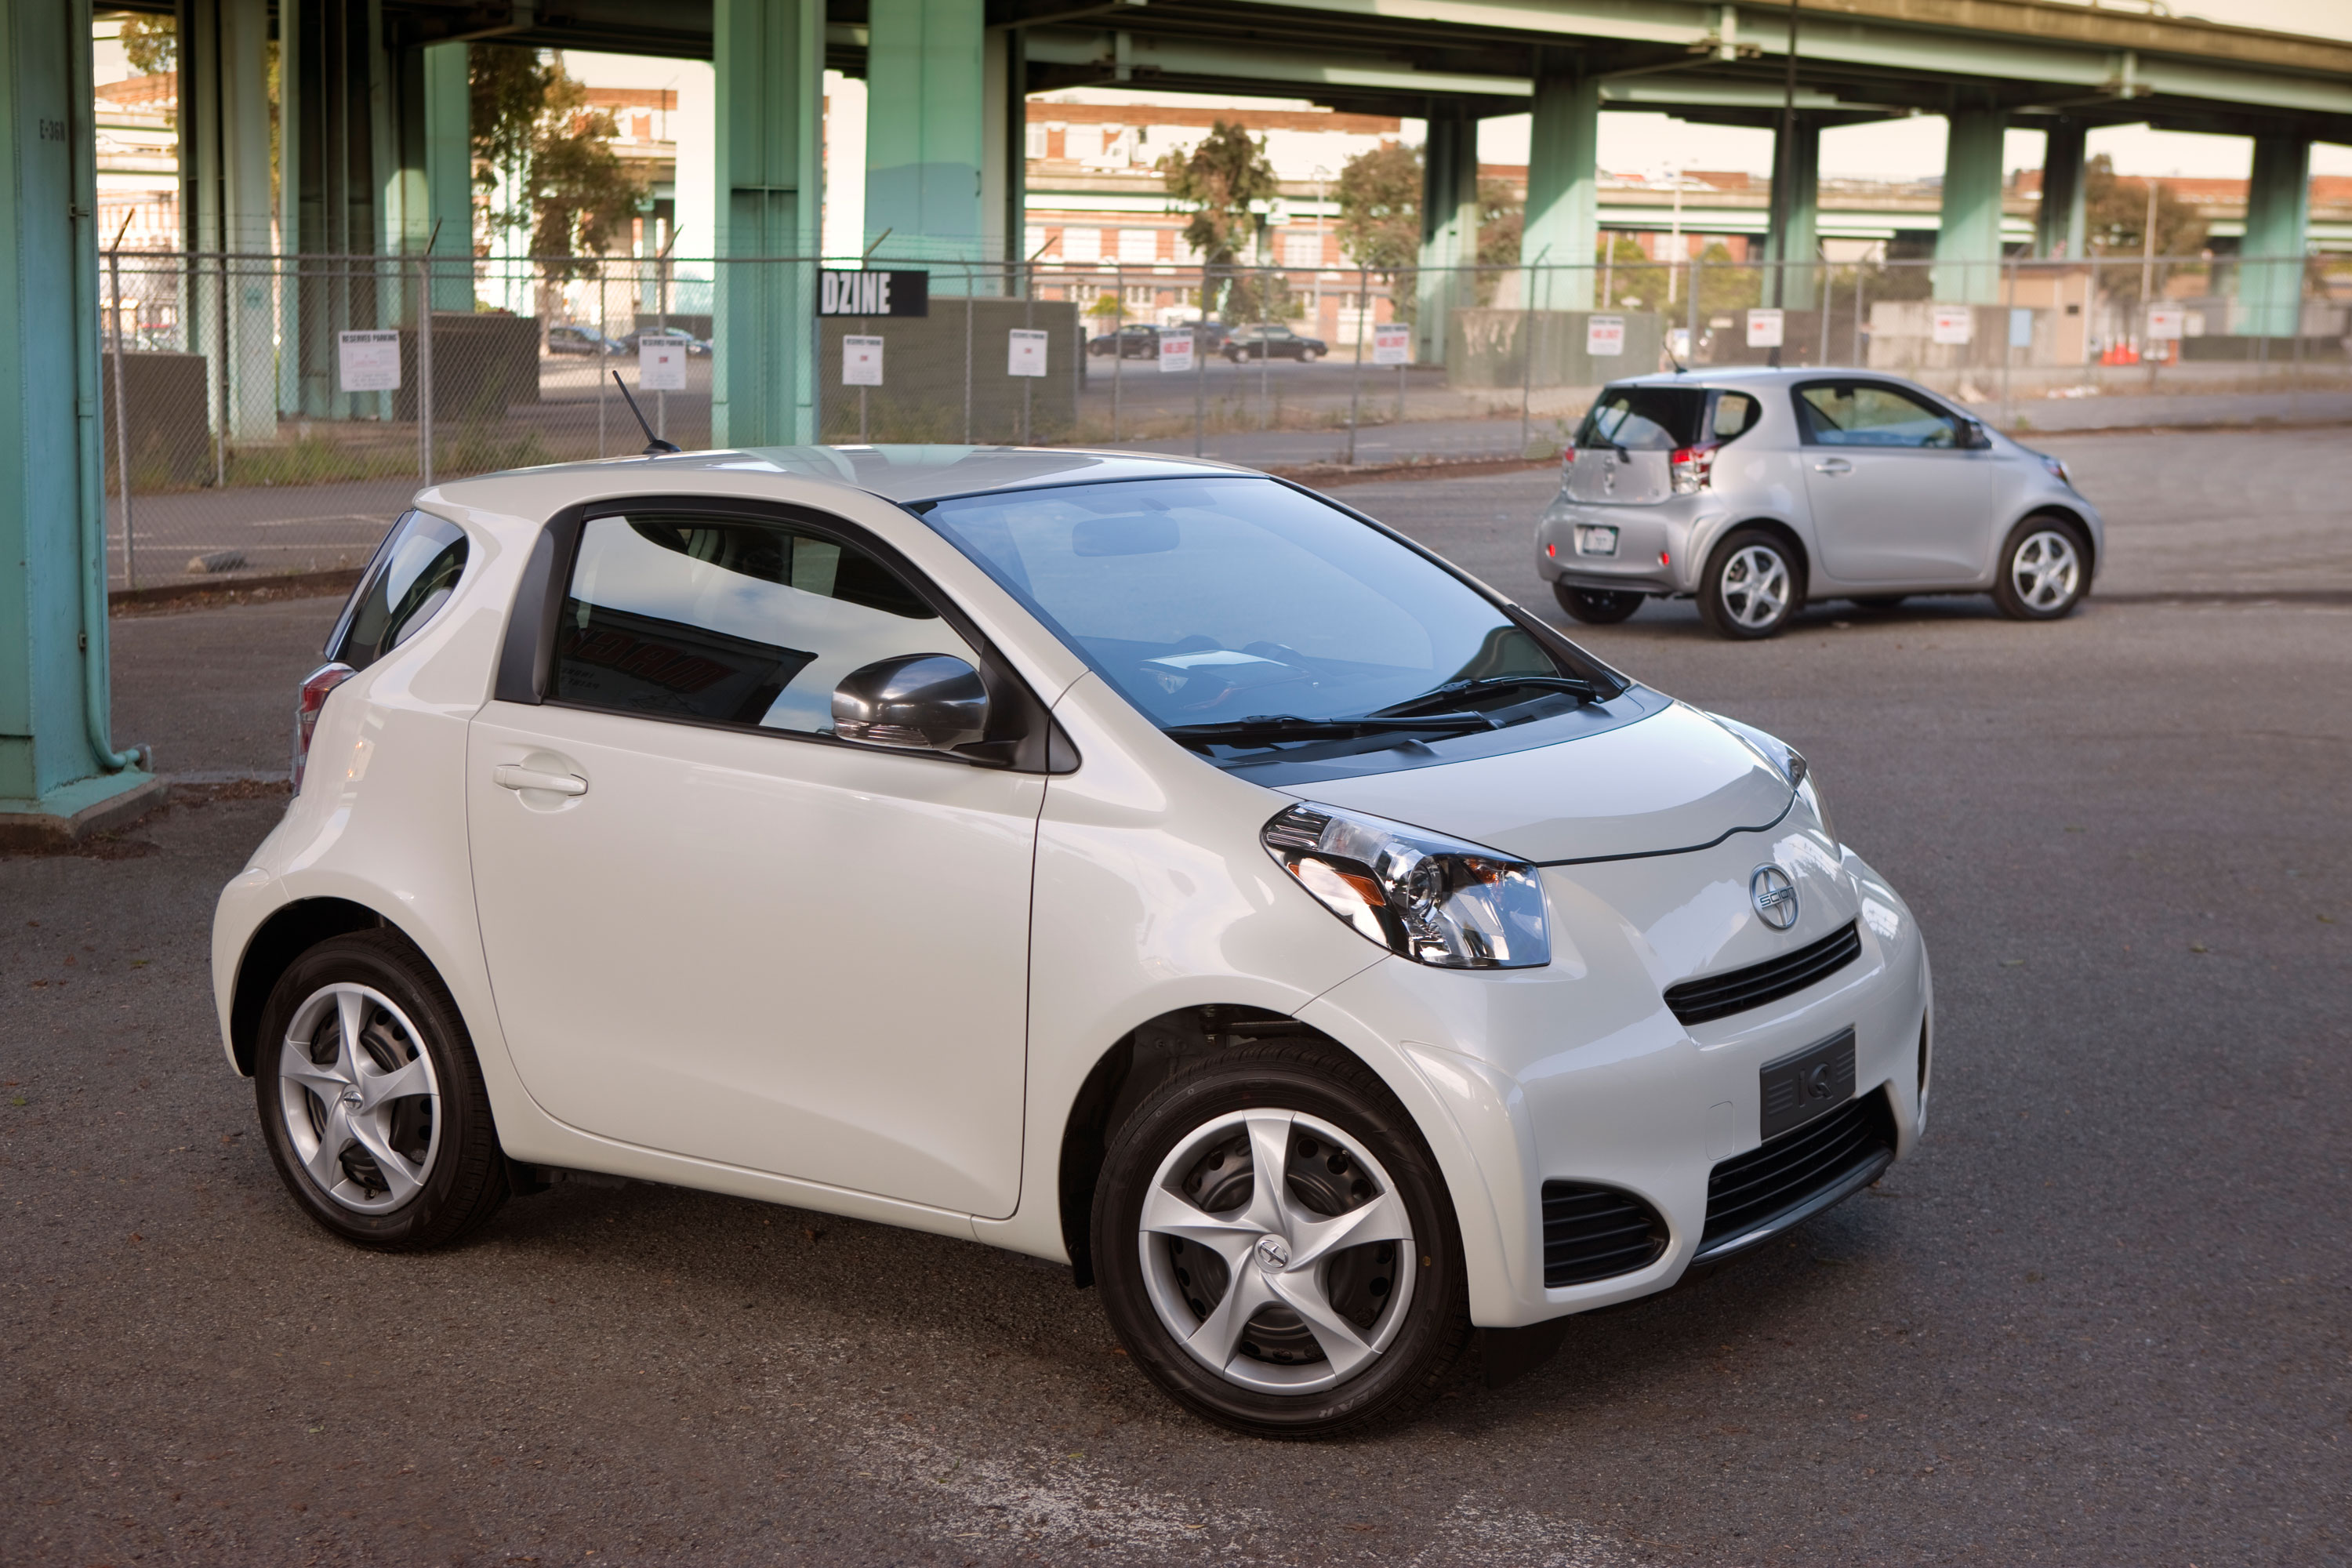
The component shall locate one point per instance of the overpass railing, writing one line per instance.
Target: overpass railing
(271, 413)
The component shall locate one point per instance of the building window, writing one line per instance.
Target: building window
(1082, 245)
(1302, 247)
(1036, 141)
(1138, 245)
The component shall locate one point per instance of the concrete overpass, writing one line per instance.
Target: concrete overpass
(374, 153)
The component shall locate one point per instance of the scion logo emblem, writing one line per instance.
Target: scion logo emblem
(1271, 1254)
(1774, 896)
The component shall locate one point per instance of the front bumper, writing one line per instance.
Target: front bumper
(1580, 1074)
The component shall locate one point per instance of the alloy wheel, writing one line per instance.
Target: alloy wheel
(1756, 586)
(1277, 1251)
(361, 1105)
(2044, 570)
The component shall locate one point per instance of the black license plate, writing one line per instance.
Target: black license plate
(1801, 1086)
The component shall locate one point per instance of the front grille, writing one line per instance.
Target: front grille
(1796, 1174)
(1592, 1233)
(1720, 995)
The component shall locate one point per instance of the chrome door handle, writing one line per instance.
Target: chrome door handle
(1833, 465)
(509, 777)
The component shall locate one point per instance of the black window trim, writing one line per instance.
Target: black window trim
(1024, 736)
(1804, 411)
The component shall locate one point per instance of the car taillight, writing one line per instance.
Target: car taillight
(1692, 467)
(313, 697)
(1567, 462)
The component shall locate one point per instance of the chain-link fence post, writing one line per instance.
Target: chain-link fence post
(968, 285)
(1117, 345)
(122, 407)
(1356, 382)
(1200, 331)
(1528, 276)
(603, 336)
(425, 368)
(1028, 322)
(1859, 286)
(2009, 344)
(1690, 332)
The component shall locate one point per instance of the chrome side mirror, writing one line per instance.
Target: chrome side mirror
(929, 701)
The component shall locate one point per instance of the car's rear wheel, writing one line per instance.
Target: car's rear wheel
(371, 1101)
(1752, 586)
(1308, 356)
(1276, 1250)
(1597, 606)
(2044, 567)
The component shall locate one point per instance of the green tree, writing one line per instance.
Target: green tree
(535, 136)
(2115, 215)
(151, 44)
(1220, 181)
(1628, 280)
(1379, 208)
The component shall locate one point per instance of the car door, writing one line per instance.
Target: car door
(713, 928)
(1896, 497)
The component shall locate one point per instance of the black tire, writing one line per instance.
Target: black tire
(1425, 1341)
(1597, 606)
(464, 1172)
(1881, 602)
(2044, 570)
(1308, 356)
(1752, 586)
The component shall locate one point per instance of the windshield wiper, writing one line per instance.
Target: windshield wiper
(1453, 691)
(1290, 727)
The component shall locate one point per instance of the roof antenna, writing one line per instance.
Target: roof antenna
(655, 444)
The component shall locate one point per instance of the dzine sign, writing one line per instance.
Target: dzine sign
(873, 292)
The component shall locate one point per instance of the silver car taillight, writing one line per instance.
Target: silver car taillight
(1692, 467)
(313, 697)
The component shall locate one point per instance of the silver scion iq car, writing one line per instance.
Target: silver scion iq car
(1757, 491)
(1148, 865)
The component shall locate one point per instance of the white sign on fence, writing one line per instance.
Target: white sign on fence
(1764, 329)
(1175, 348)
(1953, 324)
(1605, 336)
(368, 362)
(1393, 343)
(1026, 355)
(661, 366)
(2167, 323)
(861, 362)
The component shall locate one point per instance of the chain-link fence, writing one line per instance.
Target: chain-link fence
(269, 414)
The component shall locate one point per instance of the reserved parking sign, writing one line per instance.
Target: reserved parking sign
(1175, 348)
(1605, 336)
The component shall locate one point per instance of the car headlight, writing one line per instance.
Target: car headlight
(2057, 469)
(1423, 896)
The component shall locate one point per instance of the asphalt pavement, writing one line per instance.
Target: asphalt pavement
(2104, 1317)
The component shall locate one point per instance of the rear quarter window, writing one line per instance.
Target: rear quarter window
(414, 572)
(1645, 418)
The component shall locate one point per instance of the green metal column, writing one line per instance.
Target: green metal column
(57, 769)
(1449, 230)
(2278, 213)
(448, 152)
(333, 174)
(225, 181)
(768, 56)
(1801, 285)
(926, 83)
(1967, 241)
(1563, 223)
(2059, 231)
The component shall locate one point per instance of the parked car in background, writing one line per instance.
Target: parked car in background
(695, 348)
(1134, 341)
(1145, 865)
(1756, 491)
(567, 339)
(1273, 341)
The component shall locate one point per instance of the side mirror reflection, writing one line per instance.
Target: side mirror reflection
(929, 702)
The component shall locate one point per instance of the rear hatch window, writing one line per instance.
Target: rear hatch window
(1645, 418)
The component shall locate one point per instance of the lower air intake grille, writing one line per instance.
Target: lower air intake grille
(1753, 1196)
(1720, 995)
(1592, 1233)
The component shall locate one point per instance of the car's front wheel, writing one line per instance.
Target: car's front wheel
(2044, 567)
(1276, 1250)
(1752, 586)
(370, 1101)
(1308, 356)
(1597, 606)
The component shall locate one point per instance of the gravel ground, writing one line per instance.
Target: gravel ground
(2102, 1317)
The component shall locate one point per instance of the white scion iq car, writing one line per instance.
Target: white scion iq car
(1756, 490)
(1143, 864)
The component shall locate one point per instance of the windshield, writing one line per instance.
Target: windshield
(1212, 601)
(1645, 418)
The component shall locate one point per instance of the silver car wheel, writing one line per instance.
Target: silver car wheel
(2045, 570)
(1290, 1284)
(361, 1105)
(1756, 586)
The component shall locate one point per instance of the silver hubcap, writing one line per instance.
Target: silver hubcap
(1278, 1252)
(1756, 586)
(363, 1108)
(2044, 570)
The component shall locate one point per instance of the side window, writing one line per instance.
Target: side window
(1736, 413)
(735, 621)
(414, 572)
(1866, 414)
